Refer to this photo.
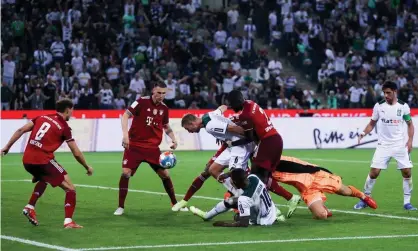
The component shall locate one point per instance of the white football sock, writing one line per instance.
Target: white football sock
(30, 206)
(67, 220)
(368, 186)
(218, 209)
(407, 190)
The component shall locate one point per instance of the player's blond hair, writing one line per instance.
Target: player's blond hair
(188, 119)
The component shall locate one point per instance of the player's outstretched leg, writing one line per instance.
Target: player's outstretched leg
(194, 187)
(123, 190)
(220, 208)
(319, 211)
(368, 187)
(70, 203)
(407, 189)
(354, 192)
(168, 185)
(29, 210)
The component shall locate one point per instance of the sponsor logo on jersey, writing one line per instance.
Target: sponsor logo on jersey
(391, 121)
(35, 143)
(399, 112)
(218, 130)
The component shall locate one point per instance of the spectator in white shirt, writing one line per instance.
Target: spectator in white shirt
(41, 58)
(76, 46)
(219, 52)
(128, 65)
(272, 19)
(220, 36)
(409, 58)
(262, 74)
(370, 46)
(106, 97)
(339, 64)
(84, 77)
(288, 25)
(250, 29)
(236, 65)
(58, 50)
(136, 88)
(233, 15)
(233, 43)
(275, 66)
(77, 63)
(92, 64)
(356, 93)
(9, 69)
(112, 72)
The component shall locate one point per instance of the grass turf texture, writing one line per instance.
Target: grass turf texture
(148, 219)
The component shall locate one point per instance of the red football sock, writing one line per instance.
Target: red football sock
(169, 188)
(123, 190)
(279, 190)
(70, 202)
(37, 192)
(196, 185)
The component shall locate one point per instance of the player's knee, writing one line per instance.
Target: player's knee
(231, 202)
(163, 173)
(126, 175)
(215, 170)
(406, 173)
(205, 174)
(374, 174)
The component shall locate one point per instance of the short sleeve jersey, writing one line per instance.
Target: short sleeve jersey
(216, 125)
(48, 134)
(391, 122)
(148, 122)
(254, 117)
(256, 202)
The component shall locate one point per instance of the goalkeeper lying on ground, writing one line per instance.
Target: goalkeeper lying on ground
(310, 180)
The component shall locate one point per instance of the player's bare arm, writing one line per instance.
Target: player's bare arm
(170, 133)
(243, 221)
(78, 155)
(411, 132)
(16, 136)
(125, 130)
(370, 126)
(222, 108)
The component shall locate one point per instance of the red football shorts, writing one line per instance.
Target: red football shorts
(134, 156)
(268, 153)
(51, 173)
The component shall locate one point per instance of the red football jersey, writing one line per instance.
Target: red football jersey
(147, 123)
(48, 133)
(254, 117)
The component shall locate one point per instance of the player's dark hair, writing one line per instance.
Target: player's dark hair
(63, 104)
(236, 100)
(160, 84)
(188, 119)
(390, 85)
(238, 176)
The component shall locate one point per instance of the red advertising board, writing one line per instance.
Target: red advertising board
(179, 113)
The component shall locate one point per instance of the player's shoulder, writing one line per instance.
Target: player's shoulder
(253, 181)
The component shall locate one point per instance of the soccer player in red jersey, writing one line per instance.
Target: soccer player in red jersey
(142, 141)
(48, 132)
(270, 144)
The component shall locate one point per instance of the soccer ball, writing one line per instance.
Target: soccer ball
(168, 160)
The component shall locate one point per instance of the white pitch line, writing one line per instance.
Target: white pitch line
(253, 242)
(35, 243)
(189, 161)
(219, 199)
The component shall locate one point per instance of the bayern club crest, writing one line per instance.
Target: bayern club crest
(154, 111)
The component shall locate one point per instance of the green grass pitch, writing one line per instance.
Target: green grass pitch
(149, 223)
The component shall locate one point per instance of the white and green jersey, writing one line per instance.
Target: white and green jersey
(256, 202)
(216, 125)
(391, 122)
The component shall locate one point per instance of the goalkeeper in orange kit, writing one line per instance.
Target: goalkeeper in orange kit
(312, 182)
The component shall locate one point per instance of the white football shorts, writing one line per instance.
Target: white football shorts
(382, 156)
